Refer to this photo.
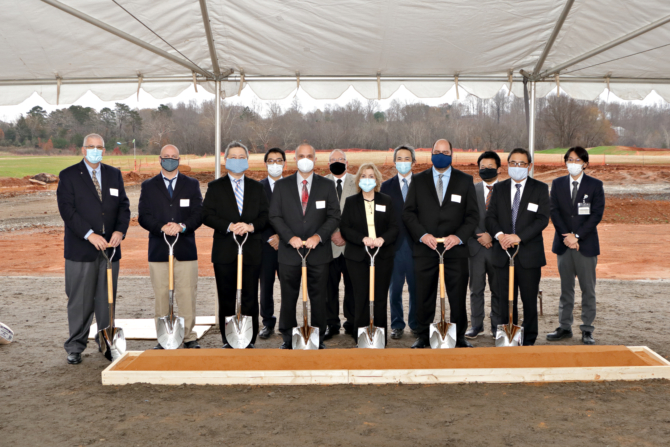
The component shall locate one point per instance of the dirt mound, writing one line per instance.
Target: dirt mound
(45, 178)
(132, 177)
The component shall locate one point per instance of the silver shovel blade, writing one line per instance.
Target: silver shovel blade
(170, 334)
(112, 343)
(6, 334)
(239, 333)
(300, 341)
(375, 339)
(505, 338)
(438, 341)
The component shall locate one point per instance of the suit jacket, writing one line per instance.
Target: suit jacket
(473, 245)
(220, 210)
(269, 230)
(393, 188)
(156, 209)
(529, 224)
(566, 219)
(287, 218)
(82, 210)
(348, 190)
(354, 227)
(423, 214)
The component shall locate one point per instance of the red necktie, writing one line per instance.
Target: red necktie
(488, 197)
(305, 196)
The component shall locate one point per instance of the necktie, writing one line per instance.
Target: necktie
(170, 189)
(515, 207)
(339, 188)
(305, 196)
(97, 188)
(488, 197)
(574, 191)
(440, 187)
(239, 197)
(404, 189)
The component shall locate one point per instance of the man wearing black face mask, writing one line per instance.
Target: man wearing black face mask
(171, 205)
(480, 245)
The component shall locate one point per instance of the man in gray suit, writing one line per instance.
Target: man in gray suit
(480, 247)
(345, 187)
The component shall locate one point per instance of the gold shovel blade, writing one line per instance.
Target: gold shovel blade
(506, 336)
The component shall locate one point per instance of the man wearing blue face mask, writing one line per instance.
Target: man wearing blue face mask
(93, 204)
(234, 206)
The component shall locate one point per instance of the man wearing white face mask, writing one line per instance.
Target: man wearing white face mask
(577, 207)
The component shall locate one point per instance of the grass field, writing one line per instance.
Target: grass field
(599, 150)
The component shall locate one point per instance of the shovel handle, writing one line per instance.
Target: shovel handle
(372, 283)
(442, 281)
(439, 240)
(171, 271)
(239, 272)
(110, 287)
(511, 283)
(304, 284)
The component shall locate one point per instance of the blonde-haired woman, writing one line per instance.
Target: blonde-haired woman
(368, 219)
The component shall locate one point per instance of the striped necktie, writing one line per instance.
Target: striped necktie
(97, 188)
(515, 207)
(404, 189)
(305, 196)
(440, 188)
(239, 195)
(488, 197)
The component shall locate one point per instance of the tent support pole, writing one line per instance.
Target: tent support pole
(210, 38)
(554, 35)
(531, 126)
(217, 131)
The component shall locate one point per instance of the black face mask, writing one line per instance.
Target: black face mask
(488, 173)
(338, 168)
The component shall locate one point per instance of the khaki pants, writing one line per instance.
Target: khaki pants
(185, 292)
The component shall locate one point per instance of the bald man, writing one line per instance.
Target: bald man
(171, 205)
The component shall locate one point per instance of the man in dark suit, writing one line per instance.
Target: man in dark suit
(441, 202)
(304, 208)
(577, 207)
(235, 205)
(171, 204)
(481, 252)
(397, 187)
(275, 159)
(93, 205)
(517, 214)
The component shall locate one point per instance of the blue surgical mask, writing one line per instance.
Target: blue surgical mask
(367, 184)
(441, 161)
(237, 165)
(403, 167)
(94, 156)
(517, 173)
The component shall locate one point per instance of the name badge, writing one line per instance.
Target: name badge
(456, 198)
(380, 208)
(584, 209)
(320, 204)
(114, 192)
(185, 202)
(532, 207)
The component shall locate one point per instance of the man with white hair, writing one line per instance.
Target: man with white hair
(93, 205)
(171, 205)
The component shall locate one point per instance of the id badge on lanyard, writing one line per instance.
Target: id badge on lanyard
(583, 208)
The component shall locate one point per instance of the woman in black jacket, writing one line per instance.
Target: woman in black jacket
(368, 219)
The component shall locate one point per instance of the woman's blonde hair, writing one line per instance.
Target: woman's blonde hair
(363, 168)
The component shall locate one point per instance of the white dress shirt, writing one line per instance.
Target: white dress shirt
(272, 183)
(486, 190)
(579, 182)
(167, 181)
(408, 178)
(234, 184)
(309, 183)
(98, 176)
(512, 194)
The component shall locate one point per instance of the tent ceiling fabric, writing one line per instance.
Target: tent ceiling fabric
(481, 39)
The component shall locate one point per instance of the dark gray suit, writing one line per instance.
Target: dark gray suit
(480, 267)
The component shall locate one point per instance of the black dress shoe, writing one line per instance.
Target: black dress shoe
(191, 344)
(74, 359)
(414, 332)
(587, 338)
(322, 346)
(396, 334)
(286, 345)
(250, 346)
(463, 343)
(349, 330)
(265, 333)
(158, 346)
(330, 332)
(559, 334)
(472, 333)
(227, 346)
(420, 343)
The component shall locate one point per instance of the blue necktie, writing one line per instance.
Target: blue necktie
(515, 207)
(404, 189)
(170, 190)
(239, 197)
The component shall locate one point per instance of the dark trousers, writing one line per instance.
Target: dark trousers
(290, 277)
(527, 284)
(360, 278)
(226, 288)
(337, 270)
(269, 268)
(480, 268)
(403, 270)
(86, 290)
(456, 280)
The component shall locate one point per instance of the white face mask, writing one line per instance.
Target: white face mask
(305, 165)
(275, 170)
(574, 168)
(517, 173)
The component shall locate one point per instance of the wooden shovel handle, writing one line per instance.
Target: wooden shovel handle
(372, 283)
(110, 287)
(239, 272)
(439, 240)
(441, 280)
(171, 272)
(304, 284)
(511, 283)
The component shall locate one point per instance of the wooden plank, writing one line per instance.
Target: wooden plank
(145, 328)
(651, 354)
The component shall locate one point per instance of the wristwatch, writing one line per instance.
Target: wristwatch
(183, 227)
(577, 236)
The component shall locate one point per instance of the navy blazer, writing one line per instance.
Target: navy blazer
(392, 188)
(566, 219)
(82, 210)
(156, 209)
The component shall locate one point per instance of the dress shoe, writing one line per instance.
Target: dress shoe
(587, 338)
(322, 346)
(74, 359)
(474, 332)
(191, 344)
(559, 334)
(420, 343)
(265, 333)
(330, 332)
(463, 343)
(250, 346)
(227, 346)
(349, 330)
(396, 334)
(286, 345)
(158, 346)
(414, 332)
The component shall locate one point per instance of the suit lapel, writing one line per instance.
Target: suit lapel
(312, 190)
(86, 178)
(180, 185)
(506, 187)
(525, 195)
(295, 191)
(580, 192)
(160, 184)
(104, 174)
(450, 188)
(431, 185)
(230, 192)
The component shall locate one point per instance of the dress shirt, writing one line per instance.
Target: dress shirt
(512, 194)
(309, 183)
(370, 217)
(167, 181)
(272, 183)
(446, 175)
(233, 184)
(98, 176)
(579, 182)
(408, 178)
(486, 190)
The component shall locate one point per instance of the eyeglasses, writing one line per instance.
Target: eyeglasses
(340, 160)
(574, 160)
(94, 147)
(518, 164)
(277, 161)
(174, 157)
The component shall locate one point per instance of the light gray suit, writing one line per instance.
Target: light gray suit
(348, 189)
(480, 266)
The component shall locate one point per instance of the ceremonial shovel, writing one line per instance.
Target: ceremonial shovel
(510, 334)
(239, 328)
(443, 333)
(305, 337)
(170, 329)
(372, 337)
(111, 339)
(6, 334)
